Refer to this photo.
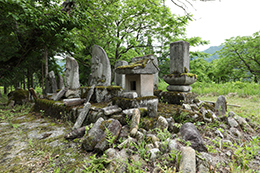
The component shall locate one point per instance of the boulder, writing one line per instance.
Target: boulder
(162, 123)
(19, 96)
(118, 160)
(93, 136)
(190, 133)
(111, 132)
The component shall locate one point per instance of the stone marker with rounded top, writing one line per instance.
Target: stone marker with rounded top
(72, 73)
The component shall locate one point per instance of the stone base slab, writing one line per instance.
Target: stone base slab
(179, 88)
(179, 98)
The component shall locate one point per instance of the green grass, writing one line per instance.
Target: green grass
(242, 89)
(249, 105)
(245, 94)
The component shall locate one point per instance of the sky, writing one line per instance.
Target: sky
(220, 19)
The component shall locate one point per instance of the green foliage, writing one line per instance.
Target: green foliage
(96, 164)
(130, 28)
(27, 29)
(141, 148)
(241, 54)
(110, 138)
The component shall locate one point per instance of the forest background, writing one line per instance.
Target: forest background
(34, 32)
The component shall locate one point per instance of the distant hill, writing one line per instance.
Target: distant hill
(212, 50)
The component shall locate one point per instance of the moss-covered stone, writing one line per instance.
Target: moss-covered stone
(127, 103)
(182, 74)
(143, 112)
(178, 98)
(54, 109)
(147, 123)
(20, 96)
(141, 63)
(101, 92)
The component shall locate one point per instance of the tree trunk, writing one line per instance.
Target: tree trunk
(46, 68)
(31, 76)
(255, 79)
(5, 89)
(23, 80)
(28, 78)
(42, 77)
(46, 61)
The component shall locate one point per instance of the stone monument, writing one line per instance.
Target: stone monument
(60, 82)
(50, 83)
(72, 73)
(179, 78)
(100, 67)
(120, 78)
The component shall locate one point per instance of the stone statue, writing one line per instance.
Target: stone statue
(100, 67)
(72, 73)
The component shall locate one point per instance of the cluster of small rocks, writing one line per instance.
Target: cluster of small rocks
(232, 129)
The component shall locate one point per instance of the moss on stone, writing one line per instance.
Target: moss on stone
(19, 96)
(208, 106)
(54, 109)
(172, 97)
(143, 112)
(141, 63)
(190, 75)
(175, 75)
(185, 70)
(148, 123)
(126, 103)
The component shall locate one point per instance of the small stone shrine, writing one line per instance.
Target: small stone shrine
(155, 61)
(179, 79)
(100, 68)
(139, 76)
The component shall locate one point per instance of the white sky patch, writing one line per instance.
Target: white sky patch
(219, 20)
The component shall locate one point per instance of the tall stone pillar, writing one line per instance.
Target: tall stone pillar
(120, 78)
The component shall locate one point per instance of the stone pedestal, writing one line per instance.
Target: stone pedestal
(179, 98)
(179, 79)
(180, 82)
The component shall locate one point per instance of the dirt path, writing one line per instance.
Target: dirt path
(30, 143)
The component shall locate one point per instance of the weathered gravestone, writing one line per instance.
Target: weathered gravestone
(50, 83)
(100, 67)
(72, 73)
(120, 78)
(60, 83)
(179, 78)
(221, 105)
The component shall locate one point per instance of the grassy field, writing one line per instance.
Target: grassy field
(250, 106)
(245, 94)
